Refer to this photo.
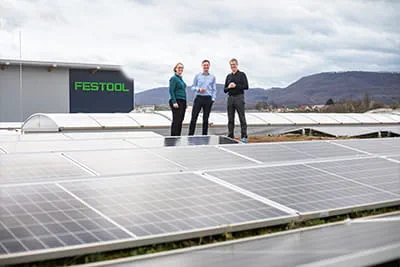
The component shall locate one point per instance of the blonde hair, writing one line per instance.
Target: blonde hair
(176, 66)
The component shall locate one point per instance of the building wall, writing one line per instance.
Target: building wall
(9, 95)
(42, 91)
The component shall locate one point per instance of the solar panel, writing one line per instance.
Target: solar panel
(123, 161)
(293, 151)
(74, 217)
(38, 218)
(182, 141)
(302, 188)
(166, 204)
(30, 168)
(67, 145)
(110, 135)
(375, 172)
(202, 158)
(365, 244)
(384, 146)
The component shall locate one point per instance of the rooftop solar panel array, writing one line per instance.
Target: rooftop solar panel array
(139, 196)
(154, 205)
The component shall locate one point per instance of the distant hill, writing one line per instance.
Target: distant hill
(310, 90)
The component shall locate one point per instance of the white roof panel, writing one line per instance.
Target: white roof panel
(272, 118)
(321, 118)
(150, 119)
(111, 135)
(363, 118)
(298, 118)
(59, 146)
(383, 118)
(188, 116)
(10, 125)
(343, 118)
(114, 120)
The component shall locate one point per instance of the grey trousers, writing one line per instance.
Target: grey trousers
(236, 103)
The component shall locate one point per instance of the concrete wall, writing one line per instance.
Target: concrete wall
(42, 91)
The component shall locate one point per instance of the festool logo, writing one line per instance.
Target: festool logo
(100, 86)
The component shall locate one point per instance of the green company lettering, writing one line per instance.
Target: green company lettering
(100, 86)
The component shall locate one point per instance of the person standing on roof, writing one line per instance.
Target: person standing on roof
(205, 88)
(177, 101)
(235, 84)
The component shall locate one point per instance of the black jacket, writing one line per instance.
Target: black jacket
(240, 79)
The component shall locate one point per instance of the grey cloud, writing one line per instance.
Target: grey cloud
(276, 42)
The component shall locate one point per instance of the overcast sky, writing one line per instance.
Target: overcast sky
(276, 42)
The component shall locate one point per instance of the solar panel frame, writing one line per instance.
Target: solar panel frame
(345, 244)
(349, 131)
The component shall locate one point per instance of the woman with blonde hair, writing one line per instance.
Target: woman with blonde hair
(177, 99)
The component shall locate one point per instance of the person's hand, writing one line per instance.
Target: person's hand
(202, 90)
(232, 85)
(175, 105)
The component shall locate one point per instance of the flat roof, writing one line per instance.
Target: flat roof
(11, 62)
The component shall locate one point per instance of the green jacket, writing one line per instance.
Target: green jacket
(177, 88)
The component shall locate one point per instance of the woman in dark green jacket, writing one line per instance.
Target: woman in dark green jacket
(177, 99)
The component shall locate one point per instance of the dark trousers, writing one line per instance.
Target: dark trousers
(200, 102)
(236, 103)
(178, 114)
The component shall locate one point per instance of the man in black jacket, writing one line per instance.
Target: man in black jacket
(235, 84)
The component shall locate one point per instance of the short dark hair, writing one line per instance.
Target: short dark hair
(205, 60)
(234, 60)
